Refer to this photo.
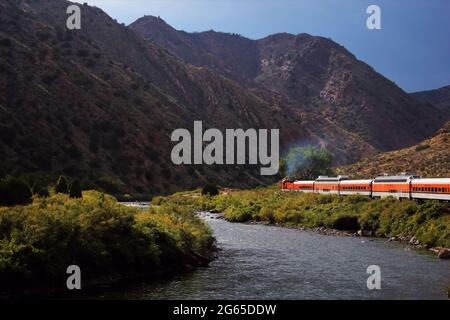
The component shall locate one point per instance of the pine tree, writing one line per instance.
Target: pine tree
(62, 186)
(75, 189)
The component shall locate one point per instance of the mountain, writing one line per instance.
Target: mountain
(429, 158)
(440, 98)
(100, 104)
(321, 80)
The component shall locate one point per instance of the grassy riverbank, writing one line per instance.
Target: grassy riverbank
(429, 222)
(107, 240)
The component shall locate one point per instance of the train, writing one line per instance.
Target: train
(401, 187)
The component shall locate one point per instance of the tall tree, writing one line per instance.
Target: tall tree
(75, 189)
(307, 163)
(62, 185)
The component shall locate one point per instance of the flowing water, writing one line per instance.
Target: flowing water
(269, 262)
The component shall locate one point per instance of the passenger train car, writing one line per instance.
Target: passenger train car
(401, 187)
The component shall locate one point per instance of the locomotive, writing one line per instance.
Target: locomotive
(401, 187)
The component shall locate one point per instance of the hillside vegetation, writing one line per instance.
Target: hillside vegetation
(104, 238)
(431, 158)
(428, 222)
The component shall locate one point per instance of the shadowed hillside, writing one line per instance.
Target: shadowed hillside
(429, 158)
(343, 101)
(100, 104)
(439, 97)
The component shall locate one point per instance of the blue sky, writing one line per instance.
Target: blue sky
(412, 48)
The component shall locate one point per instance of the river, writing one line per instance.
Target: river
(269, 262)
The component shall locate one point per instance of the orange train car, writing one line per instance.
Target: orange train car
(328, 185)
(394, 186)
(402, 186)
(438, 188)
(349, 187)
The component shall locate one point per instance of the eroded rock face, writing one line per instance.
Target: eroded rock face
(341, 100)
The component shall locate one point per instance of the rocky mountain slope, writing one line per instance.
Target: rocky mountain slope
(430, 158)
(439, 97)
(323, 81)
(100, 103)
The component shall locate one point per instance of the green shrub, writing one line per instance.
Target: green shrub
(346, 223)
(106, 239)
(14, 191)
(421, 147)
(210, 189)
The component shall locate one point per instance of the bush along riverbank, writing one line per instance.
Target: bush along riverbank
(423, 225)
(105, 239)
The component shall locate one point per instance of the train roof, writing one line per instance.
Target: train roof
(395, 178)
(356, 181)
(331, 179)
(431, 181)
(304, 182)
